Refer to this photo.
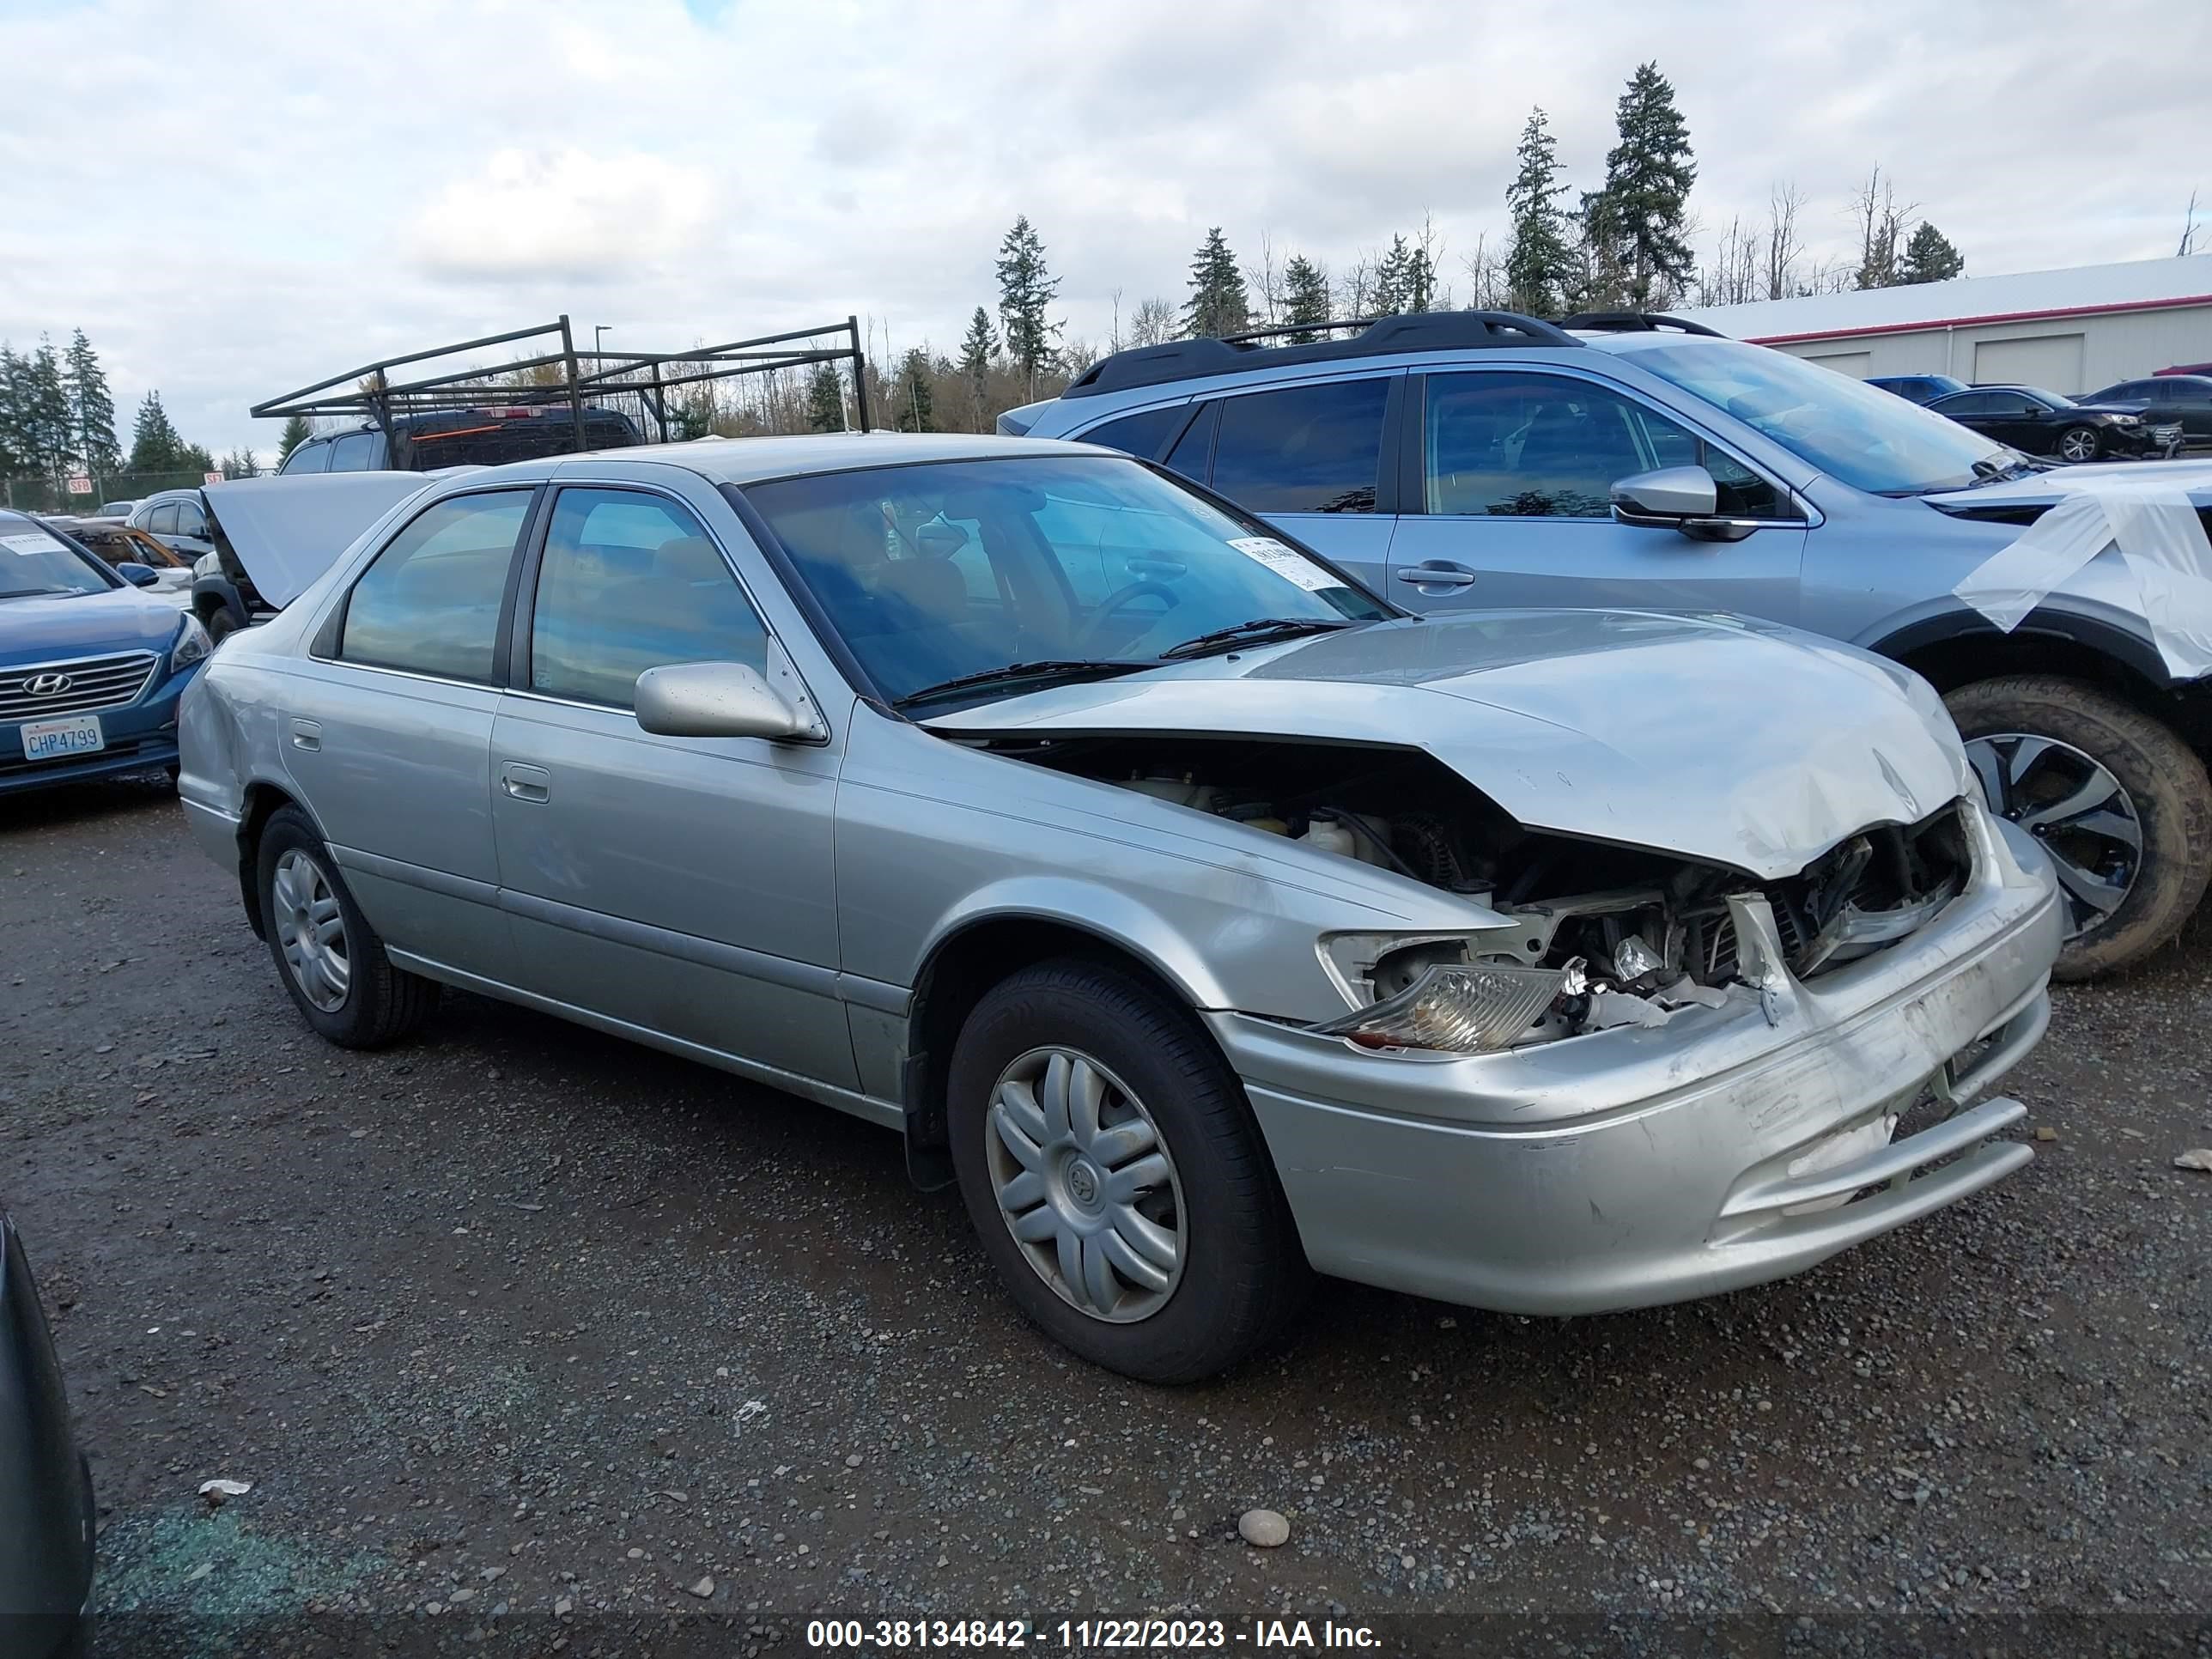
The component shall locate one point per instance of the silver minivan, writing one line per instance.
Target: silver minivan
(1206, 919)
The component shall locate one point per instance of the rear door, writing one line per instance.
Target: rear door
(388, 730)
(1508, 474)
(678, 885)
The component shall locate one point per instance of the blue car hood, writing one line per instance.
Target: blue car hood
(48, 627)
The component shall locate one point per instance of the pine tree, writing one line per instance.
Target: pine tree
(977, 349)
(15, 443)
(1305, 297)
(825, 400)
(52, 432)
(1540, 265)
(1024, 292)
(1217, 304)
(1930, 257)
(296, 432)
(1421, 280)
(154, 444)
(1394, 279)
(240, 464)
(92, 407)
(1637, 224)
(913, 407)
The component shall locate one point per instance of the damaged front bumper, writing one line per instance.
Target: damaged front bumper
(1631, 1167)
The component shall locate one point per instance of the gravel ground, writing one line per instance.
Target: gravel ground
(529, 1338)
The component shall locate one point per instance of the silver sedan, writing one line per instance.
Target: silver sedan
(1206, 919)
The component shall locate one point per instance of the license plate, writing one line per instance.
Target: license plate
(56, 739)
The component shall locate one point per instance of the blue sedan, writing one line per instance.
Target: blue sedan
(90, 667)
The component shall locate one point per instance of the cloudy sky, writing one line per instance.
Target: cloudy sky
(233, 199)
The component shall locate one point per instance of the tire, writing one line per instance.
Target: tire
(2167, 792)
(221, 624)
(378, 1004)
(2081, 443)
(1240, 1274)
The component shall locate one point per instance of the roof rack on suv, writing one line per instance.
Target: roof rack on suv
(1636, 322)
(1424, 331)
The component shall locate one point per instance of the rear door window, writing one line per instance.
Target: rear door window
(308, 457)
(431, 603)
(1304, 448)
(354, 453)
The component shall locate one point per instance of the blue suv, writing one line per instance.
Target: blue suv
(1483, 459)
(90, 667)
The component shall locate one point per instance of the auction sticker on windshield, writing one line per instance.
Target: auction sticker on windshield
(55, 739)
(36, 541)
(1285, 562)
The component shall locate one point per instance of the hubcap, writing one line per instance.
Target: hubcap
(1086, 1185)
(2068, 802)
(311, 929)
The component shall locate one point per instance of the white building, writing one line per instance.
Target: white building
(2065, 331)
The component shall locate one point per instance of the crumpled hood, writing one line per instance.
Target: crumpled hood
(1734, 742)
(49, 626)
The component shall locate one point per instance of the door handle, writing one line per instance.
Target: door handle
(307, 734)
(1436, 573)
(530, 783)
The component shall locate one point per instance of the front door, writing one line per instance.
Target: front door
(1513, 508)
(680, 886)
(389, 734)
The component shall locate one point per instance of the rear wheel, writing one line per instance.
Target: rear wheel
(2079, 443)
(329, 958)
(2119, 802)
(1111, 1166)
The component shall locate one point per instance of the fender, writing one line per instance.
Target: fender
(1113, 918)
(2107, 639)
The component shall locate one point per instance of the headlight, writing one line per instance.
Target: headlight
(2127, 420)
(1472, 1008)
(192, 644)
(207, 564)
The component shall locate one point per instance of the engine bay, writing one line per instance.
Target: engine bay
(1636, 933)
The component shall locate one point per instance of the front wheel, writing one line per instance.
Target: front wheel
(2122, 806)
(329, 958)
(1113, 1172)
(2079, 443)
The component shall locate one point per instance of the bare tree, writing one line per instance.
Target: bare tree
(1154, 321)
(1488, 286)
(1733, 277)
(1355, 290)
(1785, 243)
(2188, 230)
(1265, 284)
(1882, 224)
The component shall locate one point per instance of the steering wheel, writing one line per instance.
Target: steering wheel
(1118, 601)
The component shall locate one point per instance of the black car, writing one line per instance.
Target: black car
(46, 1485)
(2186, 397)
(2045, 423)
(1919, 388)
(462, 437)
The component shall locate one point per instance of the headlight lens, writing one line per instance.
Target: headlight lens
(192, 644)
(2127, 420)
(1468, 1008)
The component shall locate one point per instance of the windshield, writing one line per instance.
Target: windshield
(953, 569)
(1856, 432)
(33, 559)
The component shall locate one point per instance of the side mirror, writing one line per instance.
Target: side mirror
(139, 575)
(717, 700)
(1683, 498)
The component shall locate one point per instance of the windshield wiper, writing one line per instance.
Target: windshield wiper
(1997, 471)
(1259, 630)
(1014, 673)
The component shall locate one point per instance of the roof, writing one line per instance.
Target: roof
(750, 460)
(2139, 285)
